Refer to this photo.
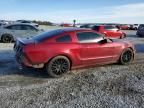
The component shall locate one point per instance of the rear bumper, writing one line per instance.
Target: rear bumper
(23, 60)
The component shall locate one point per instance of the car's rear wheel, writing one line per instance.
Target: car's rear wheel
(126, 57)
(7, 38)
(58, 66)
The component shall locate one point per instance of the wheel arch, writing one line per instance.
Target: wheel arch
(64, 55)
(127, 49)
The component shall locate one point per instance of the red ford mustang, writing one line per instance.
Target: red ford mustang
(109, 31)
(65, 49)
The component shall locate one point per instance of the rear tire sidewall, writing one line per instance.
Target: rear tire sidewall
(7, 36)
(48, 67)
(121, 57)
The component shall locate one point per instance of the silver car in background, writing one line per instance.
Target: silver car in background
(9, 33)
(140, 31)
(27, 22)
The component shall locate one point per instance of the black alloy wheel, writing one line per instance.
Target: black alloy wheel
(58, 66)
(7, 38)
(127, 57)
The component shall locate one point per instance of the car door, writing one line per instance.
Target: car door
(93, 52)
(29, 30)
(14, 30)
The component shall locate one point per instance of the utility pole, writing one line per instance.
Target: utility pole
(74, 23)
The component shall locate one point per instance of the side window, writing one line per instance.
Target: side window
(26, 27)
(87, 37)
(8, 27)
(31, 28)
(65, 38)
(14, 27)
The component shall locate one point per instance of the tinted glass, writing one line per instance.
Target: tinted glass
(47, 35)
(96, 28)
(87, 37)
(142, 25)
(14, 27)
(27, 27)
(66, 38)
(25, 22)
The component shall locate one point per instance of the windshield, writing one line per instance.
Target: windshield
(47, 35)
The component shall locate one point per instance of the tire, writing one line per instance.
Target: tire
(7, 38)
(126, 57)
(58, 66)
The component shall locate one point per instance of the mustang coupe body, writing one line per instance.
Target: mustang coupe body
(64, 49)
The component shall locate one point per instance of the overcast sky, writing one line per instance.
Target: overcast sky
(84, 11)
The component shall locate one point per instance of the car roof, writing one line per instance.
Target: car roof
(19, 24)
(72, 29)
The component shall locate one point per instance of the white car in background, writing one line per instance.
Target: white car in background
(27, 22)
(4, 22)
(9, 33)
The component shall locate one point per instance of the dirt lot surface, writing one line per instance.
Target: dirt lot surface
(110, 86)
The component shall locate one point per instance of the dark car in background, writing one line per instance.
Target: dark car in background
(109, 31)
(140, 31)
(87, 26)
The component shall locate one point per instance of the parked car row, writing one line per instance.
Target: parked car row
(110, 31)
(114, 30)
(64, 49)
(119, 26)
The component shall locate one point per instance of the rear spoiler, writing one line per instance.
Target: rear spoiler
(25, 41)
(20, 40)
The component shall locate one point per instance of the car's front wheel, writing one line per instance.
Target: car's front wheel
(7, 38)
(58, 66)
(127, 56)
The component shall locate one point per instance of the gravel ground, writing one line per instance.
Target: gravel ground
(110, 86)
